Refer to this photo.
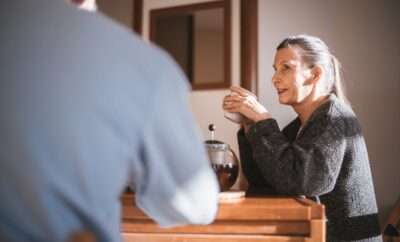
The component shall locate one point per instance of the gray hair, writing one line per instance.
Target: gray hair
(315, 52)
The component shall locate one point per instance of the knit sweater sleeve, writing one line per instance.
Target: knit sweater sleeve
(248, 164)
(307, 166)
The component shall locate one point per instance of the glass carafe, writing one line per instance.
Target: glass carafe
(223, 160)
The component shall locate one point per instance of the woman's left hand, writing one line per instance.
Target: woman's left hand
(245, 102)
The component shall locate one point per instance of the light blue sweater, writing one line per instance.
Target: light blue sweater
(87, 108)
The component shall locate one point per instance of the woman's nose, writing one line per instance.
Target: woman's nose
(275, 79)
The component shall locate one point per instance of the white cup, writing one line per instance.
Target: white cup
(234, 117)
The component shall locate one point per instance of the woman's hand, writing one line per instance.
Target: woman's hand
(245, 102)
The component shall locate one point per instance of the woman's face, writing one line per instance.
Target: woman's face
(292, 78)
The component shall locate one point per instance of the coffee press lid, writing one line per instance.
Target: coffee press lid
(213, 143)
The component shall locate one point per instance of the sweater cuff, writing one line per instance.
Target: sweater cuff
(241, 134)
(265, 127)
(242, 139)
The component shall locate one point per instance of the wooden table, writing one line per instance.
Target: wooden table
(252, 219)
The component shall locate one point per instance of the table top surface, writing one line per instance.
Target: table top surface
(249, 208)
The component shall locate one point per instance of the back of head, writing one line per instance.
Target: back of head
(315, 52)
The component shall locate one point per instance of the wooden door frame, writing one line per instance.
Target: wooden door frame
(249, 45)
(138, 16)
(248, 40)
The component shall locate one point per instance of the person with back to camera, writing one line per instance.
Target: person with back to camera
(322, 153)
(87, 109)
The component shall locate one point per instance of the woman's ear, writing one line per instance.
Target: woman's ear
(316, 74)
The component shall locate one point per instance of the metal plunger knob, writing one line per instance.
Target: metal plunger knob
(211, 128)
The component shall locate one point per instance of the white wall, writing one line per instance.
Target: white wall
(365, 36)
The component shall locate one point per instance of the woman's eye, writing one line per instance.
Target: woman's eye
(284, 68)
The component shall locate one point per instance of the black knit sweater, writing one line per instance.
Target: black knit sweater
(328, 159)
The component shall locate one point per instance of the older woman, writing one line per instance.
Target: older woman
(322, 153)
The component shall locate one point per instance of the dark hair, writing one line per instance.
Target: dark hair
(315, 52)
